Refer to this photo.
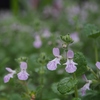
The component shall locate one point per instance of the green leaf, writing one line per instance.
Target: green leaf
(15, 97)
(81, 61)
(54, 88)
(66, 85)
(91, 30)
(76, 99)
(39, 90)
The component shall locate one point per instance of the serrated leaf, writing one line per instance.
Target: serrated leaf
(54, 88)
(66, 85)
(81, 61)
(91, 30)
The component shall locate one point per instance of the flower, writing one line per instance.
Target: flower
(86, 86)
(37, 43)
(70, 64)
(75, 37)
(46, 33)
(23, 75)
(10, 75)
(52, 65)
(98, 65)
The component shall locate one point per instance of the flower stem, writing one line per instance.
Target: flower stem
(41, 79)
(76, 91)
(92, 72)
(96, 51)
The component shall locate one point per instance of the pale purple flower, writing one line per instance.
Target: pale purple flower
(58, 4)
(10, 75)
(70, 64)
(98, 65)
(37, 43)
(52, 65)
(23, 75)
(75, 37)
(46, 33)
(72, 11)
(70, 54)
(86, 86)
(47, 11)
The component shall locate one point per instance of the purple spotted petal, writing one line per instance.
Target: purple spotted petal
(23, 65)
(6, 78)
(56, 52)
(52, 65)
(70, 54)
(23, 75)
(98, 65)
(84, 88)
(9, 69)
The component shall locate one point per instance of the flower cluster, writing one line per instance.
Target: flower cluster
(70, 64)
(22, 75)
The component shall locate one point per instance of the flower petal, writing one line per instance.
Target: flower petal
(84, 88)
(6, 78)
(56, 52)
(70, 54)
(70, 68)
(23, 65)
(37, 43)
(52, 65)
(75, 37)
(84, 78)
(98, 65)
(23, 75)
(9, 69)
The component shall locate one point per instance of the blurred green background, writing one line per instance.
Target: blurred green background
(22, 21)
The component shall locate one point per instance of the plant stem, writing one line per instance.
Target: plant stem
(92, 71)
(42, 75)
(96, 51)
(41, 79)
(76, 91)
(14, 6)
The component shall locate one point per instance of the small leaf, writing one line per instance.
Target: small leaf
(66, 85)
(91, 30)
(81, 61)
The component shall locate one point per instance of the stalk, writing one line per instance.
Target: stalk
(75, 88)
